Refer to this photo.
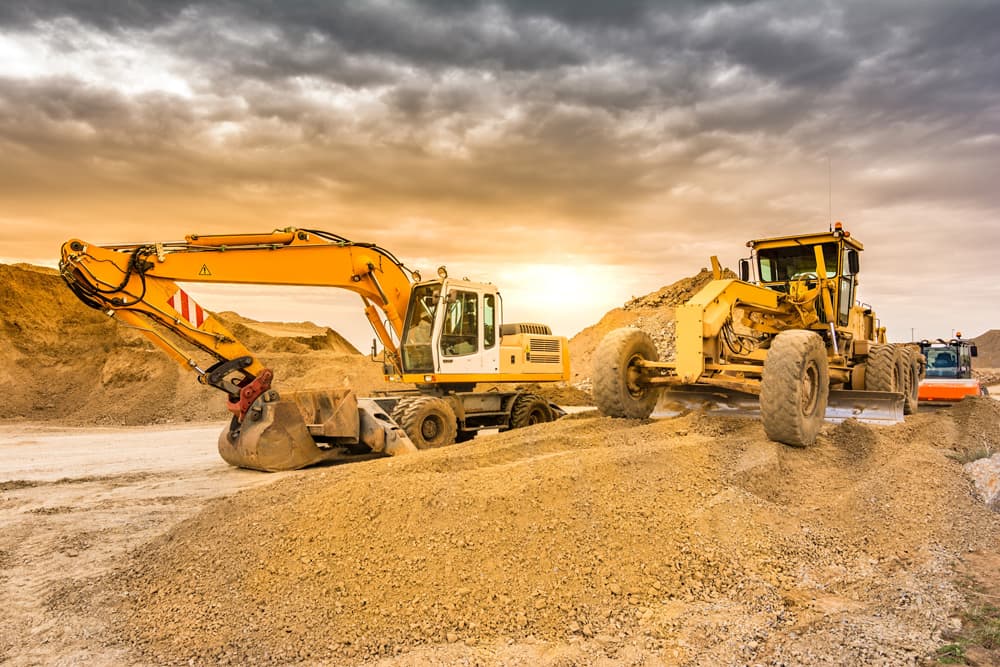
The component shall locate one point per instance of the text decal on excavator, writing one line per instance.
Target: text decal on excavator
(187, 307)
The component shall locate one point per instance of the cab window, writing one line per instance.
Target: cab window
(460, 333)
(489, 321)
(419, 327)
(795, 262)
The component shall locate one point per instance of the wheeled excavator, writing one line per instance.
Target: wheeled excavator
(442, 335)
(794, 343)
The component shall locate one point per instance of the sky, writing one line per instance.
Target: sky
(576, 153)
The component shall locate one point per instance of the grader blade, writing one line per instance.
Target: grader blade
(678, 399)
(300, 429)
(872, 407)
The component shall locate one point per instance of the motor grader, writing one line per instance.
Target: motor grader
(793, 342)
(443, 336)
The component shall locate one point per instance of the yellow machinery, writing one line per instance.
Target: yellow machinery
(795, 342)
(442, 335)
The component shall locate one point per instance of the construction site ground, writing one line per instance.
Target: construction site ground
(690, 540)
(684, 541)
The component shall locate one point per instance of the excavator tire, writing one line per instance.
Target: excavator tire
(883, 372)
(616, 391)
(529, 409)
(428, 420)
(911, 373)
(794, 388)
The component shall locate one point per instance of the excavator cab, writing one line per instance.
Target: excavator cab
(451, 329)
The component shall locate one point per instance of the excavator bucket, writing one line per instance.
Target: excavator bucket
(874, 407)
(300, 429)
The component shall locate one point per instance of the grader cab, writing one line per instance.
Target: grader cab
(788, 337)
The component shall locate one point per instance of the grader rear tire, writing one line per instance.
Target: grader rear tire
(616, 391)
(912, 371)
(428, 420)
(529, 409)
(795, 388)
(883, 371)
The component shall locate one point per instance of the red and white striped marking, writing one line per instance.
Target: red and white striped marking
(187, 307)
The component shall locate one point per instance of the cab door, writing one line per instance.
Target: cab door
(467, 343)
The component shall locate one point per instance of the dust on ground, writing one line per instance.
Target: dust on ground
(683, 541)
(73, 503)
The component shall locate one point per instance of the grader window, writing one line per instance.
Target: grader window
(779, 265)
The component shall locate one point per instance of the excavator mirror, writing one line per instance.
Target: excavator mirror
(745, 270)
(853, 262)
(973, 351)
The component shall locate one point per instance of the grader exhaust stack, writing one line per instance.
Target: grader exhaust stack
(795, 347)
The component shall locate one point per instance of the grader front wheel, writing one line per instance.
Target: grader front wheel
(794, 388)
(618, 391)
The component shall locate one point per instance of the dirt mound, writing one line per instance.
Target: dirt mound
(988, 347)
(976, 420)
(691, 541)
(653, 313)
(286, 336)
(69, 363)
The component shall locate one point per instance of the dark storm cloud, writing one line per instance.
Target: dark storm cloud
(99, 13)
(584, 106)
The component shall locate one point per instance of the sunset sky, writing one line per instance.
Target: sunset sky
(576, 153)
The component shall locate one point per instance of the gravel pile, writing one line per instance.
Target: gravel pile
(689, 541)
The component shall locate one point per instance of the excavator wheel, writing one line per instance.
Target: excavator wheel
(794, 388)
(617, 391)
(529, 409)
(428, 420)
(912, 372)
(884, 370)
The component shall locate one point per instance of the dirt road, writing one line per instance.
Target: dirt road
(73, 502)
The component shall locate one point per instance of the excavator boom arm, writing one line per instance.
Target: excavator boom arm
(138, 284)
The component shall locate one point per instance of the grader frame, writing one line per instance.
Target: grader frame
(795, 343)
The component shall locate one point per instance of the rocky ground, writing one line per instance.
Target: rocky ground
(683, 541)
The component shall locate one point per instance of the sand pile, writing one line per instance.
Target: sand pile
(988, 347)
(690, 541)
(63, 361)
